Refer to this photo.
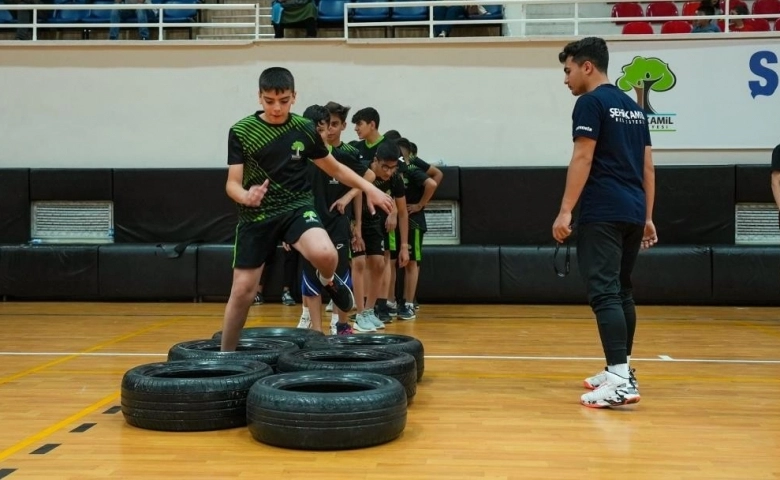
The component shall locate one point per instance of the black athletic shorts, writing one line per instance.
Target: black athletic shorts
(255, 241)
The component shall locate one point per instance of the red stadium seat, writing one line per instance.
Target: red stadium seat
(623, 10)
(777, 25)
(760, 24)
(638, 28)
(766, 7)
(689, 9)
(663, 9)
(676, 26)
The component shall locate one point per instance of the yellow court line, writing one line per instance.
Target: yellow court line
(57, 426)
(30, 371)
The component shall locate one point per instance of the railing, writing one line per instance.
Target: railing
(260, 19)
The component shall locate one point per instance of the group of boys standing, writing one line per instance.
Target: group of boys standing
(371, 246)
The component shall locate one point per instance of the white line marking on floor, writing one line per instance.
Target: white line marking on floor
(664, 358)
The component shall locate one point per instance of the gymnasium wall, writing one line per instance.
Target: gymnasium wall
(174, 235)
(500, 102)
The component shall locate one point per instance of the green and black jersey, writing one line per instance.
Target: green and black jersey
(366, 151)
(327, 189)
(414, 180)
(394, 186)
(279, 153)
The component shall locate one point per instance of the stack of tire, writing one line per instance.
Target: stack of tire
(293, 388)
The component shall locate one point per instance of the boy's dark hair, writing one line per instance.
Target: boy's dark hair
(740, 9)
(276, 79)
(338, 110)
(404, 143)
(414, 148)
(317, 114)
(388, 152)
(368, 115)
(392, 135)
(706, 10)
(589, 49)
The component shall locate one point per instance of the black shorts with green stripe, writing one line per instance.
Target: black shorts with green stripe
(393, 242)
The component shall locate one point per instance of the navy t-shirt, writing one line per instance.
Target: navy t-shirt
(614, 190)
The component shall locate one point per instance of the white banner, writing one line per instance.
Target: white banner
(708, 94)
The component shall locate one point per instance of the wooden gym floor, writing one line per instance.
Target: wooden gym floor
(499, 399)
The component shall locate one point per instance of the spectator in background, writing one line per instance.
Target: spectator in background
(25, 16)
(705, 25)
(776, 177)
(294, 14)
(118, 16)
(737, 24)
(454, 12)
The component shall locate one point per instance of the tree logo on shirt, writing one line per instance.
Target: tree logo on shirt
(644, 75)
(297, 147)
(310, 216)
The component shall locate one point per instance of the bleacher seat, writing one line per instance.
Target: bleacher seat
(407, 14)
(777, 25)
(676, 26)
(99, 16)
(331, 11)
(180, 15)
(623, 10)
(68, 16)
(5, 15)
(766, 7)
(371, 14)
(760, 24)
(638, 28)
(662, 9)
(689, 9)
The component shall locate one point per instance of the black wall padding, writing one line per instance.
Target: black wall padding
(14, 206)
(746, 275)
(673, 275)
(166, 205)
(71, 184)
(459, 274)
(695, 205)
(528, 276)
(753, 184)
(49, 272)
(215, 273)
(450, 184)
(147, 272)
(509, 206)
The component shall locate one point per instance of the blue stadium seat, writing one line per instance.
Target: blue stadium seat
(5, 16)
(331, 11)
(409, 13)
(183, 15)
(68, 16)
(371, 14)
(99, 16)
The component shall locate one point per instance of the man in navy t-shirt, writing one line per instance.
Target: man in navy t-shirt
(612, 175)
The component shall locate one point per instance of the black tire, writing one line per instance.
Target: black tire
(326, 410)
(189, 395)
(266, 350)
(298, 336)
(387, 341)
(398, 365)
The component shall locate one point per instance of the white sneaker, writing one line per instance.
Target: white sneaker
(363, 323)
(305, 321)
(594, 382)
(329, 306)
(334, 320)
(614, 392)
